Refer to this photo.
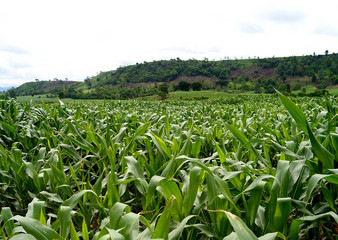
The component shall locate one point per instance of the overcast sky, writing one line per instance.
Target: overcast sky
(74, 39)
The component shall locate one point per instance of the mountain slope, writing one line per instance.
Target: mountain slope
(43, 87)
(143, 79)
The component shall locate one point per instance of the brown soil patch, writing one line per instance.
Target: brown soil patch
(254, 73)
(189, 79)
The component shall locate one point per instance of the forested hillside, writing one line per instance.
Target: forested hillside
(318, 67)
(43, 87)
(260, 75)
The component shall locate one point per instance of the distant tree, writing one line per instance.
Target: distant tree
(257, 88)
(323, 84)
(196, 86)
(12, 93)
(164, 88)
(184, 86)
(269, 89)
(61, 94)
(222, 83)
(88, 82)
(297, 86)
(262, 90)
(245, 87)
(223, 74)
(282, 88)
(303, 91)
(163, 95)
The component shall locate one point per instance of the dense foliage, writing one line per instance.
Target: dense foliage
(258, 75)
(43, 87)
(235, 168)
(318, 67)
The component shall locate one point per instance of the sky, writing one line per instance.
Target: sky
(73, 39)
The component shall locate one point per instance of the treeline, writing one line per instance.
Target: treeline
(113, 92)
(43, 87)
(240, 75)
(317, 67)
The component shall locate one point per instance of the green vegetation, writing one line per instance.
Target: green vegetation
(234, 76)
(243, 167)
(43, 87)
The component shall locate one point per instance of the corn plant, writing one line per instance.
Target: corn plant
(249, 167)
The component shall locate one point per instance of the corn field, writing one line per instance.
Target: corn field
(249, 167)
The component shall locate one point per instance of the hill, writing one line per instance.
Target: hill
(43, 87)
(239, 75)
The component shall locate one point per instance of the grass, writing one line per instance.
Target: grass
(308, 88)
(197, 95)
(333, 91)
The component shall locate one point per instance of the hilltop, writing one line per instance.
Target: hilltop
(239, 75)
(43, 87)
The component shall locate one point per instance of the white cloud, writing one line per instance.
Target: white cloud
(326, 29)
(78, 38)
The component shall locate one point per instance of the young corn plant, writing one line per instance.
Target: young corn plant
(235, 168)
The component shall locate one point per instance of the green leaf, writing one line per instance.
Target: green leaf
(176, 233)
(321, 152)
(295, 224)
(115, 235)
(190, 196)
(282, 214)
(295, 112)
(242, 231)
(221, 154)
(130, 225)
(162, 225)
(65, 219)
(116, 213)
(23, 237)
(73, 233)
(37, 229)
(272, 236)
(254, 201)
(313, 182)
(161, 146)
(73, 200)
(8, 222)
(85, 234)
(154, 181)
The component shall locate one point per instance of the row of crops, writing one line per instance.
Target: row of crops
(250, 167)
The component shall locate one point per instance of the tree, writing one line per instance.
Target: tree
(282, 88)
(257, 88)
(88, 82)
(196, 86)
(163, 91)
(184, 86)
(303, 91)
(323, 84)
(61, 94)
(297, 86)
(163, 95)
(12, 93)
(164, 88)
